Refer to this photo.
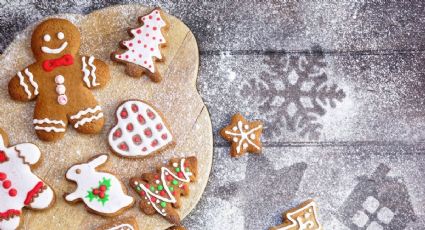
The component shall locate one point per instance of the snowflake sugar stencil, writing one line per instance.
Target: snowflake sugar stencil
(293, 93)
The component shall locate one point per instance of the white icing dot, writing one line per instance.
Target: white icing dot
(146, 198)
(157, 201)
(157, 181)
(252, 136)
(235, 128)
(175, 164)
(61, 35)
(246, 126)
(136, 183)
(46, 38)
(60, 89)
(166, 173)
(149, 203)
(245, 145)
(235, 139)
(59, 79)
(163, 210)
(62, 100)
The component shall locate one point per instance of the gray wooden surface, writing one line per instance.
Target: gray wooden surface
(341, 86)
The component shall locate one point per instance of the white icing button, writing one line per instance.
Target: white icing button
(235, 139)
(245, 145)
(61, 35)
(46, 38)
(246, 126)
(59, 79)
(235, 128)
(175, 165)
(60, 89)
(62, 99)
(157, 181)
(252, 136)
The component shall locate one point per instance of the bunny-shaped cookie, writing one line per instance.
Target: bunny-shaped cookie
(102, 192)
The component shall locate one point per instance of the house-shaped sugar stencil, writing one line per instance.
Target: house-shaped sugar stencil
(377, 202)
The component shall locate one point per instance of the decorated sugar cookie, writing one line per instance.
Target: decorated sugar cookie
(244, 135)
(123, 224)
(20, 188)
(143, 49)
(101, 192)
(161, 191)
(303, 217)
(140, 130)
(60, 81)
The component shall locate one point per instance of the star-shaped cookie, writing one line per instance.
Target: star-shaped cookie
(245, 136)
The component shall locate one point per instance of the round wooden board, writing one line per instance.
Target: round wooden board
(176, 97)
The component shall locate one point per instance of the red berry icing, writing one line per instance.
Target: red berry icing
(3, 176)
(118, 133)
(153, 199)
(7, 184)
(169, 178)
(124, 113)
(148, 132)
(102, 188)
(141, 119)
(154, 143)
(134, 108)
(123, 146)
(3, 156)
(159, 127)
(130, 127)
(162, 193)
(13, 192)
(180, 174)
(151, 115)
(137, 139)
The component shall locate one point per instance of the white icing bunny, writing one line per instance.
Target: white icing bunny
(20, 187)
(102, 192)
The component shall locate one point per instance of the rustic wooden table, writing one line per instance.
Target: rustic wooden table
(341, 86)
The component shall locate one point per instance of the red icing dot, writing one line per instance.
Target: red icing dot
(102, 188)
(124, 113)
(130, 127)
(151, 49)
(184, 187)
(143, 18)
(150, 66)
(138, 41)
(123, 146)
(145, 46)
(147, 186)
(162, 193)
(153, 199)
(147, 35)
(154, 28)
(137, 139)
(174, 193)
(154, 143)
(132, 51)
(140, 56)
(156, 12)
(141, 119)
(169, 178)
(142, 193)
(96, 191)
(134, 108)
(145, 62)
(158, 19)
(148, 132)
(150, 16)
(151, 115)
(117, 133)
(147, 26)
(153, 38)
(139, 31)
(13, 192)
(156, 176)
(159, 127)
(164, 136)
(131, 44)
(7, 184)
(102, 195)
(180, 174)
(3, 176)
(186, 164)
(144, 149)
(134, 59)
(119, 56)
(126, 56)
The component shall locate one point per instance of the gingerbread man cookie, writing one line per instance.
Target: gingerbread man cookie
(60, 81)
(20, 187)
(143, 50)
(245, 136)
(303, 217)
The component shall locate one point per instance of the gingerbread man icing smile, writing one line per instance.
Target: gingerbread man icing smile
(60, 81)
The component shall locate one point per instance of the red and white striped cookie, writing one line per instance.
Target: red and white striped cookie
(140, 130)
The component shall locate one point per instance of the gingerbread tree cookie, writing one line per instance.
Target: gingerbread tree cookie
(161, 191)
(143, 49)
(303, 217)
(244, 135)
(60, 80)
(20, 187)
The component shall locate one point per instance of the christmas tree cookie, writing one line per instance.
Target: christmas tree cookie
(244, 135)
(19, 186)
(143, 49)
(161, 191)
(303, 217)
(140, 130)
(101, 192)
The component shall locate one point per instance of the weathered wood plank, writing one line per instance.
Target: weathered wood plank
(377, 97)
(263, 25)
(252, 192)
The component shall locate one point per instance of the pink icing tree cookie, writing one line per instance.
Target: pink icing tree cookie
(140, 130)
(19, 186)
(144, 48)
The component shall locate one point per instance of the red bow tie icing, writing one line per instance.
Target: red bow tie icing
(3, 156)
(65, 60)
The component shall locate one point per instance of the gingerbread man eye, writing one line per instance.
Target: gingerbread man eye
(47, 38)
(78, 171)
(61, 35)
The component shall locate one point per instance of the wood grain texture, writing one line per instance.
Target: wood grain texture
(190, 122)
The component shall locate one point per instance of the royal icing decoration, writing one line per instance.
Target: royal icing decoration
(129, 223)
(162, 191)
(303, 217)
(19, 186)
(61, 89)
(93, 114)
(140, 130)
(244, 135)
(49, 50)
(31, 80)
(88, 73)
(100, 191)
(144, 47)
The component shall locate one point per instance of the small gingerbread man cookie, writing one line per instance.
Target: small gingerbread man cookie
(60, 81)
(303, 217)
(245, 136)
(21, 188)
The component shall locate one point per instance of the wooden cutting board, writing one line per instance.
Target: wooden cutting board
(176, 97)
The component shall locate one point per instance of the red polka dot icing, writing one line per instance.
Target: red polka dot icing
(146, 42)
(140, 130)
